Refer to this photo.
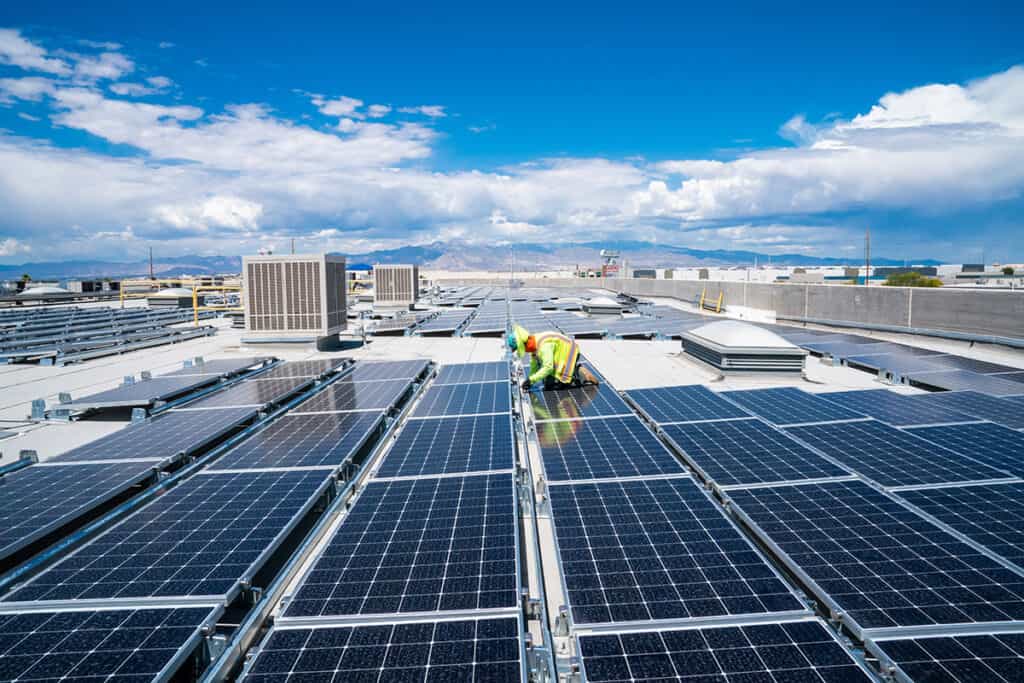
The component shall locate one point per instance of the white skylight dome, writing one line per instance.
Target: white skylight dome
(44, 289)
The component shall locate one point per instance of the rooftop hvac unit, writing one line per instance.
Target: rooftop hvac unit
(396, 285)
(731, 345)
(293, 297)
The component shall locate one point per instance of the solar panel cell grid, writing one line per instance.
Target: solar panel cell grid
(684, 404)
(895, 409)
(799, 651)
(657, 549)
(420, 545)
(982, 406)
(301, 368)
(995, 657)
(893, 457)
(965, 380)
(468, 399)
(481, 651)
(250, 393)
(991, 444)
(880, 562)
(383, 370)
(788, 405)
(347, 395)
(472, 372)
(141, 393)
(451, 445)
(568, 404)
(603, 448)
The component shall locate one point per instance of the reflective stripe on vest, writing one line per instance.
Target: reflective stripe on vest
(563, 367)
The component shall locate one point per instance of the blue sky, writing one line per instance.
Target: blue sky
(751, 126)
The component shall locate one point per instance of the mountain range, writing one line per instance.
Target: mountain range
(454, 256)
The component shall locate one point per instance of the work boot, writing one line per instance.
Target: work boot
(586, 376)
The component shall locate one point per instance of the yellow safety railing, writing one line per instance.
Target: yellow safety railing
(142, 288)
(223, 289)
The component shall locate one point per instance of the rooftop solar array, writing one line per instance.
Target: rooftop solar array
(657, 549)
(788, 406)
(570, 404)
(302, 368)
(988, 443)
(446, 322)
(142, 393)
(992, 657)
(98, 645)
(965, 380)
(418, 545)
(200, 538)
(470, 399)
(893, 457)
(346, 395)
(795, 651)
(253, 392)
(220, 366)
(371, 371)
(895, 409)
(692, 403)
(897, 364)
(878, 562)
(981, 406)
(451, 445)
(466, 373)
(603, 448)
(473, 651)
(983, 367)
(731, 452)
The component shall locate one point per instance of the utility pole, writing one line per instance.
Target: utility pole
(151, 277)
(867, 256)
(293, 245)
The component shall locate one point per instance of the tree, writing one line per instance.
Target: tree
(1007, 270)
(912, 279)
(25, 277)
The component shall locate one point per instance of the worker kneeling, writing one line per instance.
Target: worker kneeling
(555, 359)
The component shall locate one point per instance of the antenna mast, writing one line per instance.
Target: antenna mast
(867, 256)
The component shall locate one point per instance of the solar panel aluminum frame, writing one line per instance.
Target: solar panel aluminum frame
(836, 612)
(656, 624)
(889, 666)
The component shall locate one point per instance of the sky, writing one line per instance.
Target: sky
(198, 129)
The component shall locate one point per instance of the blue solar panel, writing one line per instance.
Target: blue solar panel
(40, 499)
(199, 538)
(368, 371)
(568, 404)
(143, 393)
(464, 399)
(466, 373)
(657, 549)
(348, 395)
(973, 364)
(893, 457)
(451, 445)
(107, 645)
(684, 404)
(603, 448)
(418, 545)
(882, 564)
(842, 349)
(220, 366)
(899, 363)
(474, 651)
(302, 368)
(732, 452)
(982, 406)
(798, 651)
(788, 405)
(330, 439)
(989, 514)
(895, 409)
(991, 444)
(250, 392)
(965, 380)
(990, 657)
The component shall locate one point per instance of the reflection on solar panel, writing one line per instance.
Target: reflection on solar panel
(122, 645)
(418, 545)
(374, 371)
(323, 440)
(199, 538)
(657, 549)
(684, 404)
(965, 380)
(992, 657)
(219, 366)
(165, 436)
(895, 409)
(38, 500)
(841, 349)
(982, 406)
(788, 406)
(302, 368)
(141, 393)
(893, 457)
(989, 514)
(898, 363)
(348, 395)
(973, 364)
(250, 393)
(567, 404)
(881, 563)
(797, 651)
(991, 444)
(451, 445)
(474, 651)
(468, 399)
(747, 452)
(1012, 376)
(472, 372)
(603, 448)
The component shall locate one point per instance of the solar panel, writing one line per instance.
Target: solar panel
(220, 366)
(418, 545)
(39, 500)
(991, 444)
(895, 409)
(162, 437)
(993, 657)
(250, 393)
(302, 368)
(893, 457)
(468, 399)
(877, 561)
(90, 645)
(199, 538)
(346, 395)
(1011, 376)
(965, 380)
(898, 363)
(472, 372)
(842, 349)
(603, 448)
(973, 364)
(730, 452)
(451, 445)
(474, 651)
(795, 651)
(684, 404)
(141, 393)
(374, 371)
(568, 404)
(981, 406)
(788, 406)
(329, 439)
(657, 549)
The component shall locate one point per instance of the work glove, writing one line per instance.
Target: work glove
(525, 386)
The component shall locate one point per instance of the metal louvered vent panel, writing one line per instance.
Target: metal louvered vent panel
(395, 284)
(295, 296)
(265, 309)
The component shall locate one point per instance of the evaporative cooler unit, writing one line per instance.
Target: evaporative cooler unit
(293, 297)
(396, 285)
